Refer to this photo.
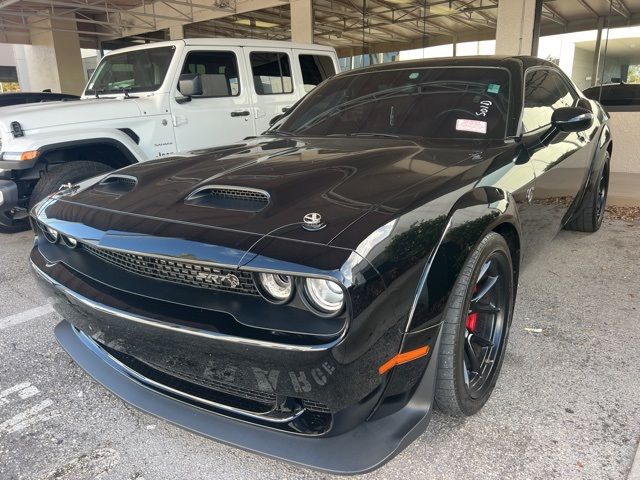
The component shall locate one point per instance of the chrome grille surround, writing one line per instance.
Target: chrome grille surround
(176, 271)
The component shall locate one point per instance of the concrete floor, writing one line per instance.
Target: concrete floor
(566, 405)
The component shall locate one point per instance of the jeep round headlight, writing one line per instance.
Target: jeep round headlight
(324, 295)
(276, 288)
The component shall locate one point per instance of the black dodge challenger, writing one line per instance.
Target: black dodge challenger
(311, 294)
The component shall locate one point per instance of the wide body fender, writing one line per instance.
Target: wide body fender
(477, 213)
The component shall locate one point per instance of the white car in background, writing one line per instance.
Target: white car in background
(151, 101)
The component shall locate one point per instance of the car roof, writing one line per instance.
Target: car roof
(522, 62)
(228, 42)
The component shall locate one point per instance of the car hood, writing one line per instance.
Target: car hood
(34, 116)
(341, 179)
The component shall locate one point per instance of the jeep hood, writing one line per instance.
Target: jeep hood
(342, 179)
(34, 116)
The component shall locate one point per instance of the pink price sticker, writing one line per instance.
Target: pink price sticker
(475, 126)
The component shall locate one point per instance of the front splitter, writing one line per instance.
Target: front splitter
(364, 448)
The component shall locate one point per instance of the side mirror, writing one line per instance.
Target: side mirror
(275, 119)
(190, 84)
(571, 119)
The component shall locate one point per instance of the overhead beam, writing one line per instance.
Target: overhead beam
(620, 7)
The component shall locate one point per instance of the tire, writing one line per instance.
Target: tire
(15, 226)
(589, 215)
(456, 393)
(59, 175)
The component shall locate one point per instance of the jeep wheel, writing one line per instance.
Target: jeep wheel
(59, 175)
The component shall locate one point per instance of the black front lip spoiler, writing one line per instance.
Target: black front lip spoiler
(364, 448)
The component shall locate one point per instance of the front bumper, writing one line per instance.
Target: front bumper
(329, 424)
(364, 448)
(8, 195)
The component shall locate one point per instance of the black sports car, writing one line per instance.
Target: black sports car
(312, 293)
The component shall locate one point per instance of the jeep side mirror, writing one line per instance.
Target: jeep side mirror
(190, 84)
(571, 119)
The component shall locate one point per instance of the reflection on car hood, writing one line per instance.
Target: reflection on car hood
(342, 179)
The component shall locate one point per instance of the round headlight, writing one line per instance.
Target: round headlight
(324, 295)
(50, 234)
(276, 288)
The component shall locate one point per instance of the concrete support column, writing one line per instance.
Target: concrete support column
(53, 59)
(518, 27)
(176, 32)
(302, 21)
(597, 54)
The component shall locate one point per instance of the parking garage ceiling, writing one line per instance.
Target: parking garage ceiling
(348, 25)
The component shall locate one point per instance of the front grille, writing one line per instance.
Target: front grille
(246, 393)
(184, 273)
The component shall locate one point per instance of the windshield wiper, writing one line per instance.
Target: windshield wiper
(279, 133)
(366, 134)
(125, 91)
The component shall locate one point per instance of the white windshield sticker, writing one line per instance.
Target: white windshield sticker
(475, 126)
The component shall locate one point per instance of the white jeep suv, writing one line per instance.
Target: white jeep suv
(150, 101)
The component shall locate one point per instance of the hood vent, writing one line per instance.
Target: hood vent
(229, 198)
(117, 184)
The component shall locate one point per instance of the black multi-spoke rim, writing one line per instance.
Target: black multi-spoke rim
(486, 324)
(601, 199)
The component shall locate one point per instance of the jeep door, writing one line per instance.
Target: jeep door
(222, 113)
(274, 87)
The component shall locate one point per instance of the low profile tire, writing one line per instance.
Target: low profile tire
(62, 174)
(475, 329)
(589, 216)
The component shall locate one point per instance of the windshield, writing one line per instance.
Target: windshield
(433, 102)
(135, 71)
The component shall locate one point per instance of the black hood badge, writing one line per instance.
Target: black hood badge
(313, 222)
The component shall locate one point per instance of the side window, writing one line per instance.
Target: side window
(271, 73)
(544, 92)
(315, 69)
(218, 72)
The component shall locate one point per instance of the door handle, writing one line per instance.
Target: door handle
(582, 136)
(241, 113)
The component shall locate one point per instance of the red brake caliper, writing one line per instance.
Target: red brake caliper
(472, 320)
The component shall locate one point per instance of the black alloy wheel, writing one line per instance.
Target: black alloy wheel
(601, 195)
(485, 327)
(475, 329)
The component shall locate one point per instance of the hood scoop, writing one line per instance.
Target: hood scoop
(229, 198)
(116, 184)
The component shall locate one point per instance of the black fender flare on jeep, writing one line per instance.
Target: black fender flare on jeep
(31, 180)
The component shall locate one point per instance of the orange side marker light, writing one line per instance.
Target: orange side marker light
(403, 358)
(29, 155)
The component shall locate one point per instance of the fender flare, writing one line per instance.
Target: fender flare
(121, 147)
(473, 216)
(604, 142)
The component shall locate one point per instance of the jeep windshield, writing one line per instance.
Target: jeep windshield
(134, 71)
(432, 102)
